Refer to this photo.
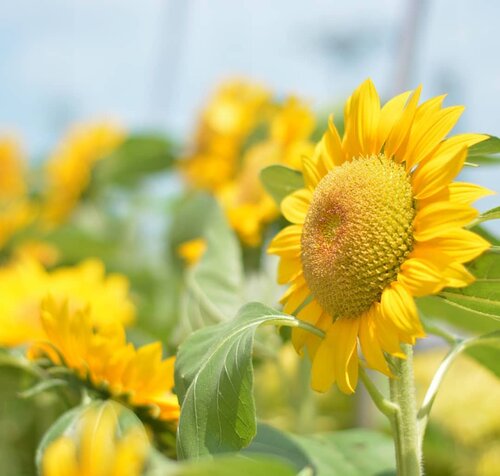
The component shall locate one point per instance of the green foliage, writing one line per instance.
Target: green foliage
(350, 453)
(273, 442)
(140, 156)
(486, 152)
(280, 181)
(22, 421)
(214, 383)
(483, 296)
(213, 287)
(493, 214)
(487, 354)
(229, 465)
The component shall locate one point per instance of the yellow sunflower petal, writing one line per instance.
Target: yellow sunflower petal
(427, 135)
(286, 242)
(312, 341)
(461, 245)
(311, 173)
(461, 192)
(323, 370)
(367, 118)
(288, 269)
(344, 340)
(420, 277)
(389, 114)
(311, 313)
(457, 276)
(438, 217)
(398, 306)
(370, 344)
(398, 136)
(432, 176)
(386, 332)
(296, 298)
(333, 146)
(295, 206)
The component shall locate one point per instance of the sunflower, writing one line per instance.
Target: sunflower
(378, 223)
(103, 358)
(68, 171)
(15, 209)
(25, 282)
(248, 207)
(97, 446)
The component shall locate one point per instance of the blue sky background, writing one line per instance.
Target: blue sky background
(152, 63)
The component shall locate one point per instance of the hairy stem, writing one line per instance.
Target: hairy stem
(404, 422)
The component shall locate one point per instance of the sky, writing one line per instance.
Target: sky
(151, 64)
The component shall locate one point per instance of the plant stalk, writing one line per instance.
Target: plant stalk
(404, 420)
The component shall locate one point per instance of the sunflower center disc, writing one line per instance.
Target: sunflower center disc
(357, 233)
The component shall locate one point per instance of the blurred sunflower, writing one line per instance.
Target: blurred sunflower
(97, 447)
(247, 205)
(15, 209)
(241, 132)
(102, 357)
(69, 169)
(234, 111)
(24, 283)
(378, 223)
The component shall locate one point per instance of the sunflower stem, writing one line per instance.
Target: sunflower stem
(404, 421)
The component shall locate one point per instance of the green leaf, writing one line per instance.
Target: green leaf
(141, 155)
(486, 351)
(273, 442)
(213, 286)
(483, 296)
(280, 181)
(486, 152)
(493, 214)
(229, 465)
(43, 386)
(435, 307)
(214, 383)
(350, 453)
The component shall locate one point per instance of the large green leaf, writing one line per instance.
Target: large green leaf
(227, 465)
(279, 181)
(350, 453)
(487, 354)
(434, 307)
(483, 296)
(273, 442)
(486, 152)
(213, 288)
(214, 383)
(141, 155)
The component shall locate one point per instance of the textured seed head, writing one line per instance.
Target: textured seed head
(357, 233)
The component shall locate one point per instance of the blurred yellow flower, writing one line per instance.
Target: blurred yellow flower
(15, 209)
(34, 250)
(24, 283)
(241, 132)
(248, 207)
(191, 251)
(378, 223)
(103, 357)
(97, 447)
(234, 111)
(68, 170)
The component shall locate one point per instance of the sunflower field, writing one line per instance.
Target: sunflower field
(290, 289)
